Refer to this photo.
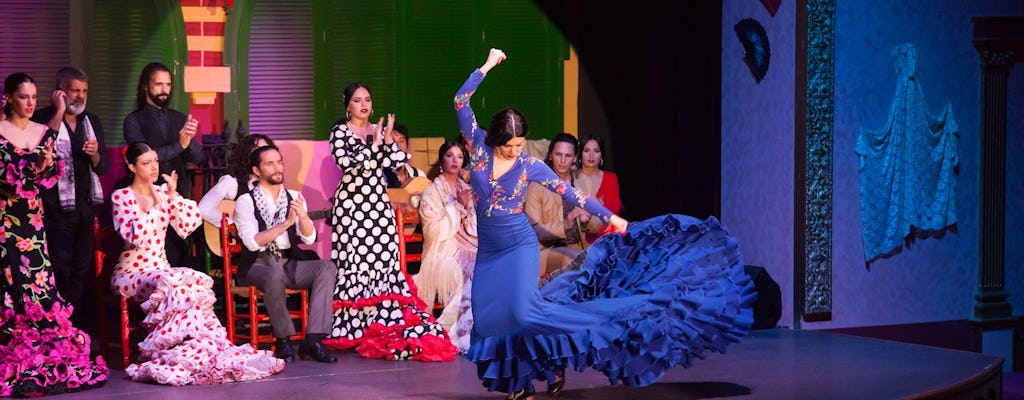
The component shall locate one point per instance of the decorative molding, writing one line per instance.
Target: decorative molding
(820, 122)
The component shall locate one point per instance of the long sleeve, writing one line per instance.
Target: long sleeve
(542, 174)
(248, 226)
(348, 153)
(391, 156)
(184, 212)
(225, 189)
(133, 133)
(128, 221)
(245, 222)
(194, 151)
(464, 112)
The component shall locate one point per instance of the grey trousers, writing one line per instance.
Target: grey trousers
(319, 276)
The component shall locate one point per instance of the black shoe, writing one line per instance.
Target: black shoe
(554, 388)
(317, 352)
(283, 350)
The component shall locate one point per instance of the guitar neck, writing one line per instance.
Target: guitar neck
(319, 214)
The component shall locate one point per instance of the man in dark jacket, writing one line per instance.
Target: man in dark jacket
(170, 133)
(69, 206)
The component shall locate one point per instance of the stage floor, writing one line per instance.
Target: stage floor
(768, 364)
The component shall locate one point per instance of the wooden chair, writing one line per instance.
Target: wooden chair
(250, 314)
(99, 238)
(401, 219)
(404, 256)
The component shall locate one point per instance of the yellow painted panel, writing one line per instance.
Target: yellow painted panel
(205, 43)
(203, 14)
(207, 79)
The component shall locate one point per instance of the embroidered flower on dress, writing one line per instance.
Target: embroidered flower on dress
(24, 244)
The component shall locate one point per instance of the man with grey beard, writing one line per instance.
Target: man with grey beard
(70, 205)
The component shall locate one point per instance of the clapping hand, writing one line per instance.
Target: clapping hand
(172, 182)
(188, 132)
(296, 210)
(385, 133)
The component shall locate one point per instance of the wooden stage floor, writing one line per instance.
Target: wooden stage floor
(768, 364)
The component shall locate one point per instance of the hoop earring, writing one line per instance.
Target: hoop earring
(601, 163)
(348, 115)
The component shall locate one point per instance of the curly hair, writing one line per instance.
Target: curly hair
(238, 160)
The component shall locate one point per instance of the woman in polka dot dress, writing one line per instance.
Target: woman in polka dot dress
(186, 343)
(375, 311)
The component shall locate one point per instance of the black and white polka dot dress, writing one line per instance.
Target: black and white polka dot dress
(374, 311)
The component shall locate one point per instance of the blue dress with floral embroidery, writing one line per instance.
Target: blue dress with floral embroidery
(632, 306)
(40, 352)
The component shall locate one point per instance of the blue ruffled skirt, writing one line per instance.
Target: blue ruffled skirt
(631, 306)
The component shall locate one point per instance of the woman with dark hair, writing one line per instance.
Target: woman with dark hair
(449, 244)
(634, 306)
(40, 352)
(595, 181)
(186, 342)
(375, 311)
(227, 187)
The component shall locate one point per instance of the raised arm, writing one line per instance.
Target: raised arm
(184, 212)
(467, 120)
(347, 154)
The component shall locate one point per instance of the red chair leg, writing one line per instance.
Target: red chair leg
(254, 325)
(126, 350)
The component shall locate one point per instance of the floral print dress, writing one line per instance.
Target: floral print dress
(186, 342)
(40, 352)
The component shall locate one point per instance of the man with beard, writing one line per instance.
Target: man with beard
(169, 132)
(69, 206)
(271, 221)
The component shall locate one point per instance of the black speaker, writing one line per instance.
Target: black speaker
(768, 306)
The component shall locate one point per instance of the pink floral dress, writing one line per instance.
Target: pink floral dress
(40, 352)
(186, 342)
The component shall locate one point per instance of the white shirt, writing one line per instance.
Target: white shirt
(225, 189)
(248, 226)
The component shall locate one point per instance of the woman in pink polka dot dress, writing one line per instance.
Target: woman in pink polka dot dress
(186, 343)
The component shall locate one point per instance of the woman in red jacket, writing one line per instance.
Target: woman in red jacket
(592, 180)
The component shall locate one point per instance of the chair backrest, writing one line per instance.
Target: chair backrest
(105, 240)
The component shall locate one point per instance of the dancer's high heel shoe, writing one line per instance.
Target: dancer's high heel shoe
(556, 387)
(521, 395)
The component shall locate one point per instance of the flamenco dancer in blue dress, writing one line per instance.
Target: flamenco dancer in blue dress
(652, 298)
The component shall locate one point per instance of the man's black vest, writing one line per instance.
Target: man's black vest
(247, 257)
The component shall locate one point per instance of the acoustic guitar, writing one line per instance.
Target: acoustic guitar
(212, 233)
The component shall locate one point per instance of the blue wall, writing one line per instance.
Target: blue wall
(933, 280)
